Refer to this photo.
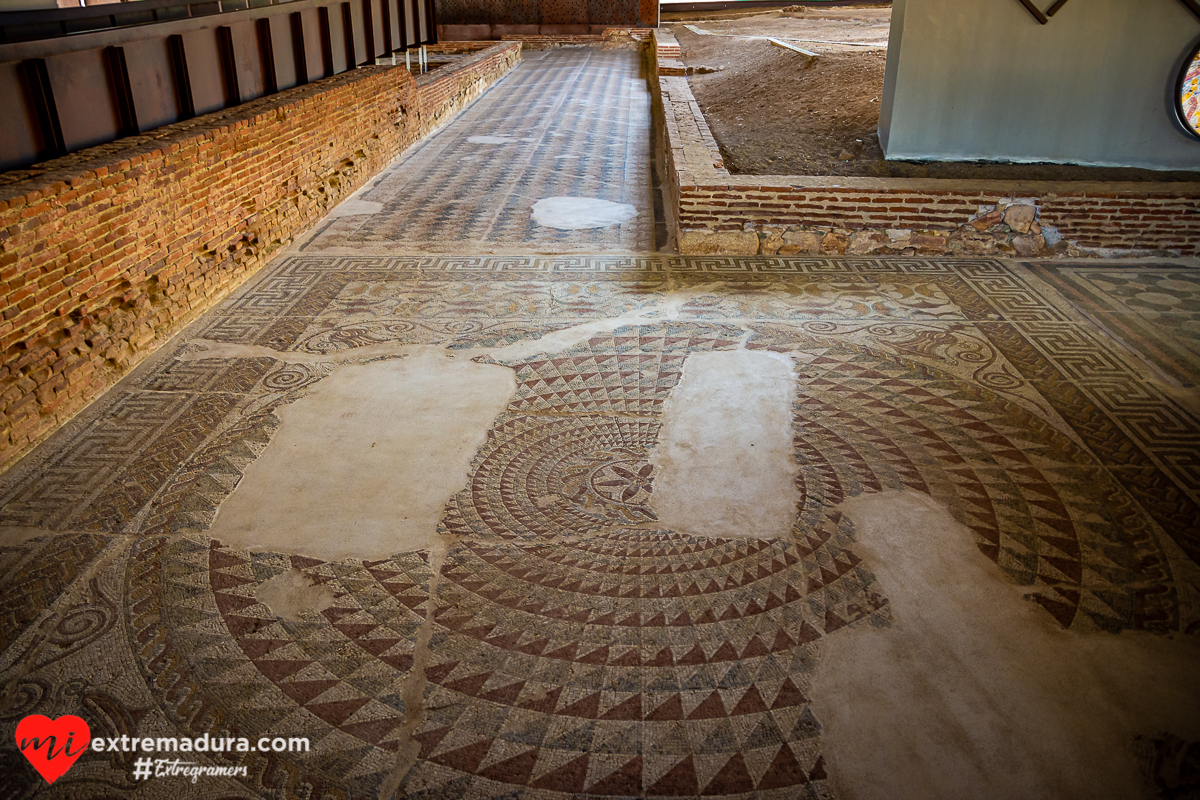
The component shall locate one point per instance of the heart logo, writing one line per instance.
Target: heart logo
(50, 744)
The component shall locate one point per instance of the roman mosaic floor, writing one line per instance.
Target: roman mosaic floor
(621, 523)
(566, 123)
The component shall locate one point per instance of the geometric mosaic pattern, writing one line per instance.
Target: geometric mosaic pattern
(1154, 310)
(563, 643)
(575, 648)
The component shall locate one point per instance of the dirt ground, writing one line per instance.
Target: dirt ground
(777, 112)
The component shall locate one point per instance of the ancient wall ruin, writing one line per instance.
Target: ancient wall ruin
(106, 253)
(717, 212)
(496, 19)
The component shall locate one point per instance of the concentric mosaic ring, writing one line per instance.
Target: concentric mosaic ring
(576, 649)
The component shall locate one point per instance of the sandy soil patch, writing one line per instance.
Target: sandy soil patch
(777, 112)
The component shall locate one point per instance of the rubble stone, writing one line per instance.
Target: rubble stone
(1020, 217)
(835, 243)
(1029, 245)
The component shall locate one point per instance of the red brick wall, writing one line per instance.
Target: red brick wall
(449, 89)
(1119, 216)
(106, 253)
(531, 13)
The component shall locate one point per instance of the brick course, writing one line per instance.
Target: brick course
(107, 253)
(610, 39)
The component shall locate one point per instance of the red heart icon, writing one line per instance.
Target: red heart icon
(49, 744)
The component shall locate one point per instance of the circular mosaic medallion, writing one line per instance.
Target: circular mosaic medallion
(624, 481)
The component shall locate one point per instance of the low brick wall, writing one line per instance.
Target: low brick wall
(457, 47)
(107, 253)
(533, 33)
(666, 46)
(608, 39)
(451, 88)
(716, 212)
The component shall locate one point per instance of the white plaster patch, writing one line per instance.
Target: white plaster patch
(354, 208)
(290, 594)
(490, 139)
(363, 465)
(576, 213)
(724, 457)
(976, 692)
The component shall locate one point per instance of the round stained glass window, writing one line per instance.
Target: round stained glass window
(1188, 96)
